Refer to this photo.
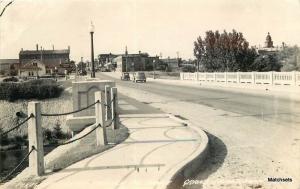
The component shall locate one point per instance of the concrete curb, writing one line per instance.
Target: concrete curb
(144, 115)
(188, 167)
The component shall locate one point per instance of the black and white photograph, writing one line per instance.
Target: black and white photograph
(150, 94)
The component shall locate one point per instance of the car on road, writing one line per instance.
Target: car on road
(139, 76)
(125, 76)
(82, 72)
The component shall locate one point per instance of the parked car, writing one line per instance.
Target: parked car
(82, 72)
(139, 76)
(125, 76)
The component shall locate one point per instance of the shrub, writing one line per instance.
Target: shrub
(4, 139)
(33, 89)
(11, 79)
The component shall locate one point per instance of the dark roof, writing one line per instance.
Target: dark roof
(9, 61)
(64, 51)
(170, 60)
(135, 55)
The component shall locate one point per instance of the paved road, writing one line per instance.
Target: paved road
(271, 108)
(252, 136)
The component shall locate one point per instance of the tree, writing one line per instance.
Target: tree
(265, 63)
(224, 52)
(3, 10)
(289, 57)
(57, 132)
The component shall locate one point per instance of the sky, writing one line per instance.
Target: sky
(159, 27)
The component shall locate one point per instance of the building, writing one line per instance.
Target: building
(134, 62)
(128, 62)
(172, 63)
(7, 66)
(52, 59)
(106, 58)
(32, 69)
(268, 47)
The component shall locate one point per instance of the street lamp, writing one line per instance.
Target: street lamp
(154, 61)
(92, 28)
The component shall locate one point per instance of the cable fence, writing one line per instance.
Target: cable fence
(79, 138)
(18, 166)
(17, 126)
(35, 131)
(73, 112)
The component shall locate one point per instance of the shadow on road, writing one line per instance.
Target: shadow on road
(215, 158)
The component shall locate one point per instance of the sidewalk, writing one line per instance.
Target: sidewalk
(157, 148)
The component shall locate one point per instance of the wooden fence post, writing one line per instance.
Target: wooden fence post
(107, 102)
(101, 136)
(114, 109)
(35, 138)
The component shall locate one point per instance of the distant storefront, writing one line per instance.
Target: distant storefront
(134, 62)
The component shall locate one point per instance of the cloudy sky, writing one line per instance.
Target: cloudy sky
(153, 26)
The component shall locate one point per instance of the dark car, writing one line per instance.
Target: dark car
(139, 76)
(125, 76)
(82, 72)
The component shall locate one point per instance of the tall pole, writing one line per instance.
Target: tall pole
(126, 63)
(154, 67)
(92, 55)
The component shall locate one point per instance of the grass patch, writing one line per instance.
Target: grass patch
(32, 89)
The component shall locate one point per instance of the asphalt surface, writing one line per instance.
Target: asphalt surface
(270, 108)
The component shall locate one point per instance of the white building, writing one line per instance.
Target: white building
(34, 68)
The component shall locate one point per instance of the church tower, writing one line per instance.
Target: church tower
(126, 52)
(269, 42)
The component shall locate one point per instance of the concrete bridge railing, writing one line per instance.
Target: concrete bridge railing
(270, 78)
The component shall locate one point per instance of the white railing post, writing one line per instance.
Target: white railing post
(35, 138)
(107, 102)
(271, 78)
(253, 77)
(238, 79)
(294, 78)
(114, 109)
(101, 136)
(215, 79)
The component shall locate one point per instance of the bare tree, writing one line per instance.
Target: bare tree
(3, 10)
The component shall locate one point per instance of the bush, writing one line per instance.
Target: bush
(4, 139)
(11, 79)
(33, 89)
